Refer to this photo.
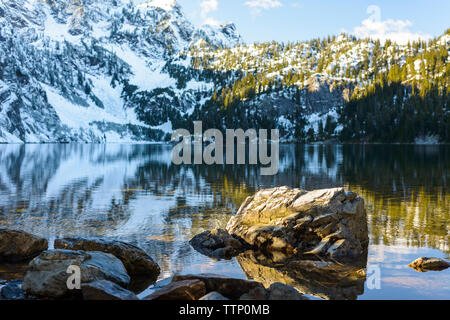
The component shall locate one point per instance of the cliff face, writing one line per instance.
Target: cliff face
(67, 67)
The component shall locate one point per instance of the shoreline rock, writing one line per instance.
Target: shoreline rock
(136, 261)
(331, 223)
(47, 274)
(217, 244)
(186, 290)
(424, 264)
(220, 288)
(19, 246)
(104, 290)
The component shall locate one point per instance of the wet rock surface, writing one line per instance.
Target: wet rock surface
(106, 290)
(231, 288)
(186, 290)
(13, 291)
(331, 223)
(47, 274)
(136, 261)
(323, 279)
(17, 246)
(214, 296)
(217, 244)
(424, 264)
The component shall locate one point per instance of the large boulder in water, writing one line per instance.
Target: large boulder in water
(330, 223)
(47, 275)
(16, 246)
(135, 260)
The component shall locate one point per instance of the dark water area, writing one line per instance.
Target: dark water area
(134, 193)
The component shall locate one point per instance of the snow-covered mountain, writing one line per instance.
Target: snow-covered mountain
(124, 71)
(68, 67)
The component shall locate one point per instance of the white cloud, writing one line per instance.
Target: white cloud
(208, 6)
(395, 30)
(258, 5)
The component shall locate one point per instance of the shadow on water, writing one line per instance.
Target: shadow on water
(134, 193)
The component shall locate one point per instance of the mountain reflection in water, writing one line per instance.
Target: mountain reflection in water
(134, 193)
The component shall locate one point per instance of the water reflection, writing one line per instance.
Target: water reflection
(134, 193)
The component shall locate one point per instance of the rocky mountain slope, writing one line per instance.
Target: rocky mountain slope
(123, 71)
(67, 67)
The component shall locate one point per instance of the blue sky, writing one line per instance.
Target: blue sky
(292, 20)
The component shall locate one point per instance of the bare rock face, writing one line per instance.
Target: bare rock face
(185, 290)
(17, 246)
(135, 260)
(104, 290)
(429, 264)
(330, 223)
(47, 274)
(217, 244)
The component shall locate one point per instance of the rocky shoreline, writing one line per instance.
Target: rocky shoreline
(289, 241)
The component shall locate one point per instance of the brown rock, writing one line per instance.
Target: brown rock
(217, 243)
(17, 246)
(184, 290)
(228, 287)
(429, 264)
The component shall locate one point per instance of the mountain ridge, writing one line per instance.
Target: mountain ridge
(112, 71)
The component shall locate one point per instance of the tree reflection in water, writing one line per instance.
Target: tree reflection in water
(134, 193)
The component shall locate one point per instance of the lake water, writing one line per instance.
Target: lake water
(134, 193)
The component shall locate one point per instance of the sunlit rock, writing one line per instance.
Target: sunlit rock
(429, 264)
(16, 246)
(331, 223)
(322, 279)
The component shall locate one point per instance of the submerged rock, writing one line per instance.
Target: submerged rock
(229, 287)
(429, 264)
(217, 244)
(331, 223)
(186, 290)
(47, 274)
(106, 290)
(17, 246)
(135, 260)
(323, 279)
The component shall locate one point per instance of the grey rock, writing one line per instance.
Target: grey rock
(136, 261)
(280, 291)
(47, 274)
(214, 296)
(217, 243)
(330, 222)
(13, 291)
(106, 290)
(16, 246)
(183, 290)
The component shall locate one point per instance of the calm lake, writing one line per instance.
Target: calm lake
(135, 194)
